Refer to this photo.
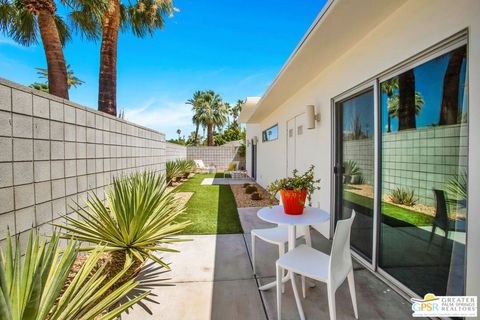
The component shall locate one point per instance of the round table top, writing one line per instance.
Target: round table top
(310, 216)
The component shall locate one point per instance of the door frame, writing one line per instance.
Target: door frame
(336, 185)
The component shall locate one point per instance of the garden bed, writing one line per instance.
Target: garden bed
(244, 200)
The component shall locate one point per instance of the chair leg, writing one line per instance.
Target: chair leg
(331, 301)
(304, 292)
(432, 234)
(279, 291)
(253, 253)
(297, 296)
(308, 237)
(353, 294)
(281, 252)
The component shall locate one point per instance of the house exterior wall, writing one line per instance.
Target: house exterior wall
(387, 45)
(53, 152)
(175, 151)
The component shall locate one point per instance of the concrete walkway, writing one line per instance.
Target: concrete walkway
(212, 278)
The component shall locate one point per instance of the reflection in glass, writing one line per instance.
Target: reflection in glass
(424, 175)
(357, 154)
(270, 134)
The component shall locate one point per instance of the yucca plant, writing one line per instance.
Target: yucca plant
(457, 187)
(186, 167)
(403, 196)
(172, 170)
(32, 287)
(138, 219)
(351, 169)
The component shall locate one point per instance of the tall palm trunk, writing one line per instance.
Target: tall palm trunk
(57, 70)
(210, 134)
(107, 94)
(197, 126)
(406, 101)
(451, 84)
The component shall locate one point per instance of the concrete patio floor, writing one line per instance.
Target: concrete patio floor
(212, 278)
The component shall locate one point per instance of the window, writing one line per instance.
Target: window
(270, 134)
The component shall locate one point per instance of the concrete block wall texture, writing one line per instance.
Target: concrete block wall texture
(175, 151)
(418, 160)
(363, 153)
(54, 152)
(220, 156)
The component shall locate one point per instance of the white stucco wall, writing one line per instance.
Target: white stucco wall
(414, 27)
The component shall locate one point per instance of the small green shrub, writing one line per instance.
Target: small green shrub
(403, 196)
(251, 189)
(172, 170)
(246, 185)
(256, 196)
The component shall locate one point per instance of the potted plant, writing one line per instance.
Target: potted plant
(295, 190)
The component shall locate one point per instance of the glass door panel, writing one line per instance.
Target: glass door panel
(355, 167)
(424, 152)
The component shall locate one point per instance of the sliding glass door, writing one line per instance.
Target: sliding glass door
(424, 152)
(355, 167)
(405, 171)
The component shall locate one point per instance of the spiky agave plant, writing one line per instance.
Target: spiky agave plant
(172, 171)
(138, 219)
(32, 286)
(186, 167)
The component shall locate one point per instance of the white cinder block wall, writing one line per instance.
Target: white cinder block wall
(175, 151)
(53, 152)
(389, 43)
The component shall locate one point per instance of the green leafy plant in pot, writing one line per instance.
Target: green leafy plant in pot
(295, 190)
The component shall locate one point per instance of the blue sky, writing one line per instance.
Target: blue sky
(234, 47)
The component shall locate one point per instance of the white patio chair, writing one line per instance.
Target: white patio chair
(201, 166)
(332, 269)
(232, 169)
(279, 237)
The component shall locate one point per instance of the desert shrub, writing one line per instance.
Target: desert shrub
(351, 169)
(256, 196)
(172, 170)
(250, 189)
(457, 186)
(33, 286)
(137, 219)
(403, 196)
(185, 167)
(246, 185)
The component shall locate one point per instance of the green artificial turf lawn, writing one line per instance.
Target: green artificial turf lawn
(409, 216)
(211, 209)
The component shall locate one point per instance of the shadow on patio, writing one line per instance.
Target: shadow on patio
(212, 278)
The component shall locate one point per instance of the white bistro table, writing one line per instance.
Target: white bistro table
(276, 215)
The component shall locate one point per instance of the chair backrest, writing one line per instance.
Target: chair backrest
(441, 213)
(340, 257)
(234, 164)
(199, 164)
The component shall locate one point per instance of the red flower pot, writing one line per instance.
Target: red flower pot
(293, 201)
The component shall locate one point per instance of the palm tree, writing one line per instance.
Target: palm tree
(406, 101)
(20, 20)
(72, 81)
(25, 20)
(389, 87)
(451, 87)
(196, 103)
(235, 112)
(214, 113)
(179, 132)
(394, 100)
(142, 17)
